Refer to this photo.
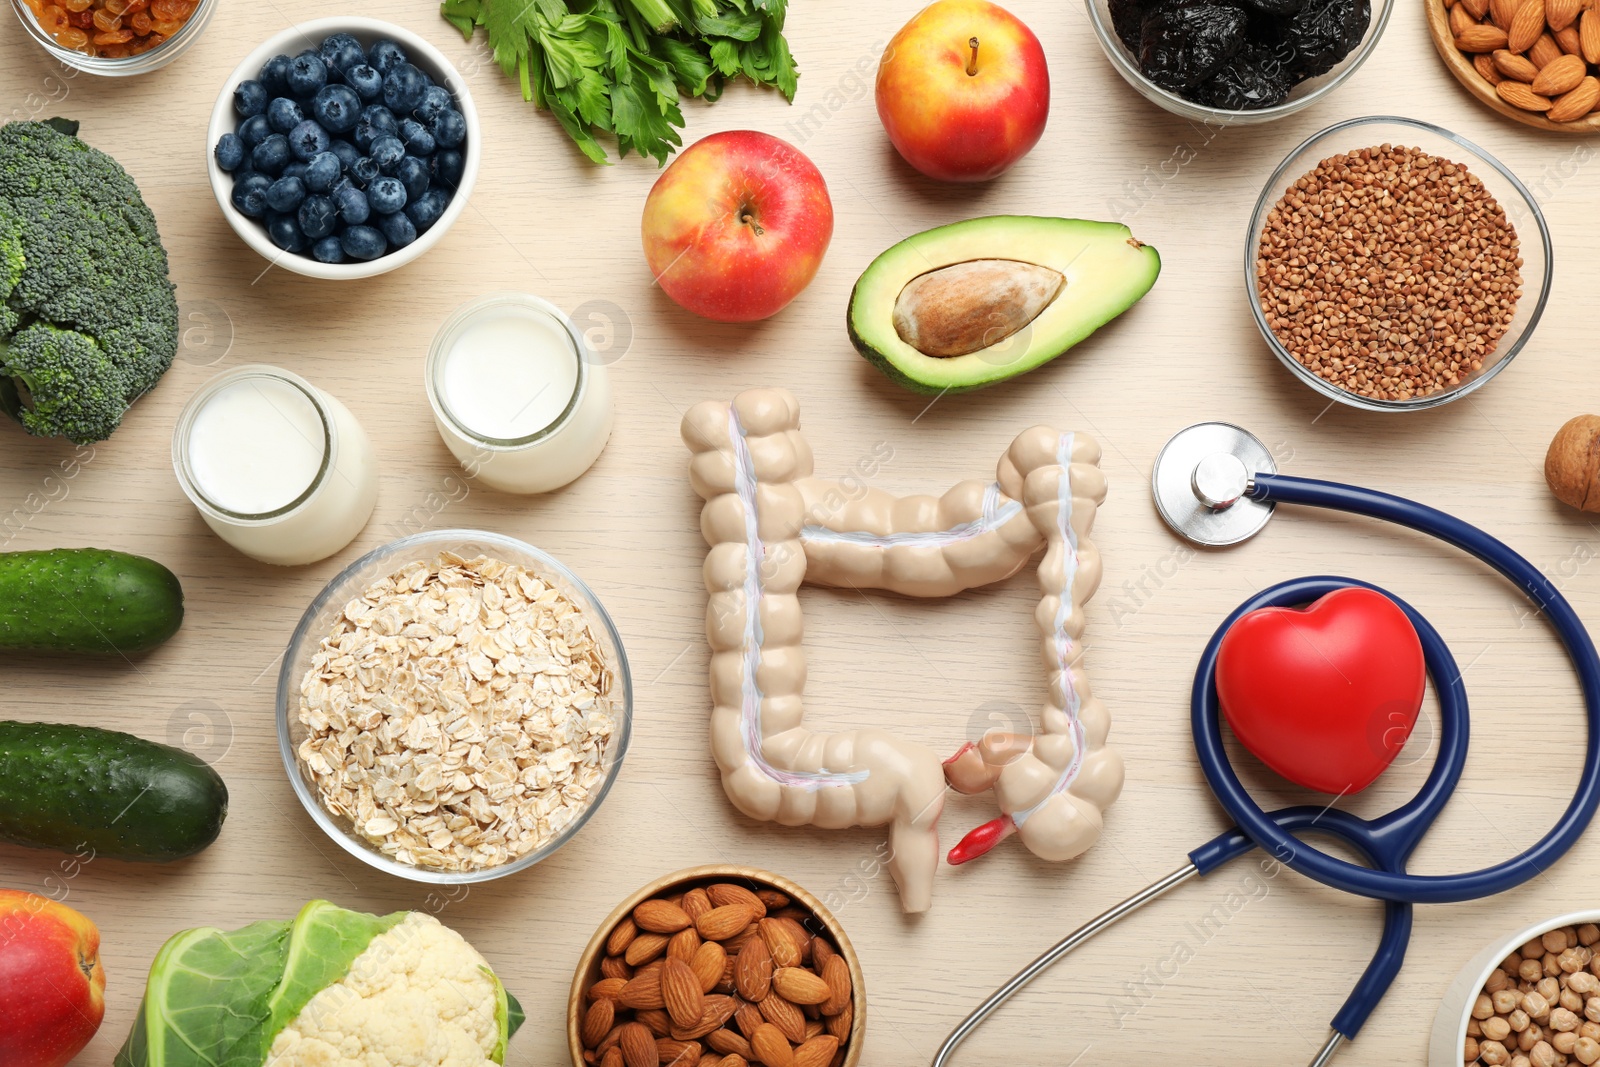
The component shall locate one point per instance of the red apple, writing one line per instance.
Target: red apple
(52, 987)
(963, 90)
(736, 226)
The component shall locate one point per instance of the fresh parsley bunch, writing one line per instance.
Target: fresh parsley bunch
(620, 66)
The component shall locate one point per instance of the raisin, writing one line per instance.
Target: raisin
(1251, 80)
(1323, 33)
(1183, 42)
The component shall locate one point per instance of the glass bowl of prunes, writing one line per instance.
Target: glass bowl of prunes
(1237, 61)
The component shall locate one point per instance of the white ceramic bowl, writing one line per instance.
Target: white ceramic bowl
(1450, 1021)
(308, 35)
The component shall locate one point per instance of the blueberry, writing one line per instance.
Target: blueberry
(341, 52)
(229, 151)
(398, 229)
(250, 99)
(365, 80)
(436, 99)
(387, 195)
(274, 76)
(250, 194)
(413, 174)
(307, 139)
(448, 166)
(363, 242)
(354, 208)
(384, 56)
(403, 88)
(318, 217)
(328, 250)
(387, 152)
(284, 114)
(285, 194)
(364, 170)
(307, 74)
(347, 152)
(254, 130)
(337, 107)
(449, 129)
(323, 170)
(415, 136)
(270, 155)
(294, 169)
(426, 210)
(286, 233)
(375, 121)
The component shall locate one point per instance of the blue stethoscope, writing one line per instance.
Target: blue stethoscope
(1216, 484)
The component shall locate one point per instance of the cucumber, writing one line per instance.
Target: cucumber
(76, 789)
(86, 600)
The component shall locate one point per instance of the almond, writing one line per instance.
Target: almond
(717, 1011)
(708, 965)
(645, 948)
(606, 987)
(839, 1025)
(1560, 76)
(821, 949)
(770, 1047)
(638, 1046)
(1576, 103)
(1460, 20)
(656, 1021)
(1515, 67)
(1589, 35)
(781, 942)
(1526, 26)
(799, 986)
(752, 971)
(725, 983)
(727, 893)
(612, 1057)
(734, 1059)
(610, 1041)
(670, 1053)
(813, 1028)
(696, 903)
(1570, 41)
(836, 975)
(816, 1051)
(802, 936)
(680, 993)
(597, 1022)
(1562, 13)
(1501, 12)
(1545, 51)
(772, 899)
(1477, 8)
(739, 940)
(747, 1017)
(721, 923)
(684, 944)
(729, 1043)
(1481, 38)
(785, 1016)
(642, 991)
(613, 967)
(621, 937)
(1518, 95)
(660, 917)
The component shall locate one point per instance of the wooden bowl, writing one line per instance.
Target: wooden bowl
(1445, 42)
(752, 878)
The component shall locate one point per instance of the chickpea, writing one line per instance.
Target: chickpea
(1588, 934)
(1587, 1050)
(1474, 1028)
(1530, 1037)
(1591, 1030)
(1469, 1051)
(1591, 1009)
(1519, 1020)
(1574, 960)
(1511, 963)
(1554, 940)
(1565, 1043)
(1496, 981)
(1583, 982)
(1562, 1019)
(1542, 1055)
(1493, 1053)
(1496, 1028)
(1571, 1001)
(1552, 968)
(1549, 989)
(1483, 1007)
(1533, 949)
(1533, 1003)
(1505, 1001)
(1520, 1059)
(1531, 970)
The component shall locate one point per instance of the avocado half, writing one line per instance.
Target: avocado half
(1105, 269)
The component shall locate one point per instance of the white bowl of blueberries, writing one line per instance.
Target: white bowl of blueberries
(343, 148)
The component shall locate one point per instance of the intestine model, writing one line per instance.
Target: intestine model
(771, 526)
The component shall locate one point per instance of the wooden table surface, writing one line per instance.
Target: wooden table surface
(1242, 968)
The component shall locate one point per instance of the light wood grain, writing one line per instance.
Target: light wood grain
(1267, 975)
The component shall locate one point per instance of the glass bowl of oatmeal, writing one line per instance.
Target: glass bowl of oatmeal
(1392, 265)
(453, 707)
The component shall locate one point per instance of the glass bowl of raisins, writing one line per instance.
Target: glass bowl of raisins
(115, 37)
(1227, 62)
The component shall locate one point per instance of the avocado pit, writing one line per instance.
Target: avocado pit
(972, 305)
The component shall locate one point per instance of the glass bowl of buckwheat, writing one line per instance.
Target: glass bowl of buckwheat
(454, 706)
(1392, 265)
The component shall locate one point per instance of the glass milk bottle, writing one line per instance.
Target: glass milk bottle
(517, 394)
(278, 468)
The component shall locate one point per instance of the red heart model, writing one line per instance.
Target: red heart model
(1325, 695)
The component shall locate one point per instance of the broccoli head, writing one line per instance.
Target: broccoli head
(88, 320)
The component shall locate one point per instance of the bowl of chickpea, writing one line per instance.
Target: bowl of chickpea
(114, 37)
(1531, 999)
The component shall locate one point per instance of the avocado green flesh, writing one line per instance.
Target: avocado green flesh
(1106, 272)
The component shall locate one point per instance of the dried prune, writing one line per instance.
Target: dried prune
(1275, 8)
(1323, 33)
(1127, 17)
(1183, 42)
(1251, 80)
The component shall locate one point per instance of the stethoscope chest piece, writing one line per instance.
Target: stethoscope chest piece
(1200, 482)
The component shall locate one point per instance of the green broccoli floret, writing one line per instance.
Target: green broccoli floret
(88, 320)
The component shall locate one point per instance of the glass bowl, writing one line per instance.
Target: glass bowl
(1514, 197)
(1301, 96)
(379, 563)
(156, 58)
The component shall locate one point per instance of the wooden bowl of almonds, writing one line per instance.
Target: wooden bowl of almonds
(725, 965)
(1534, 61)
